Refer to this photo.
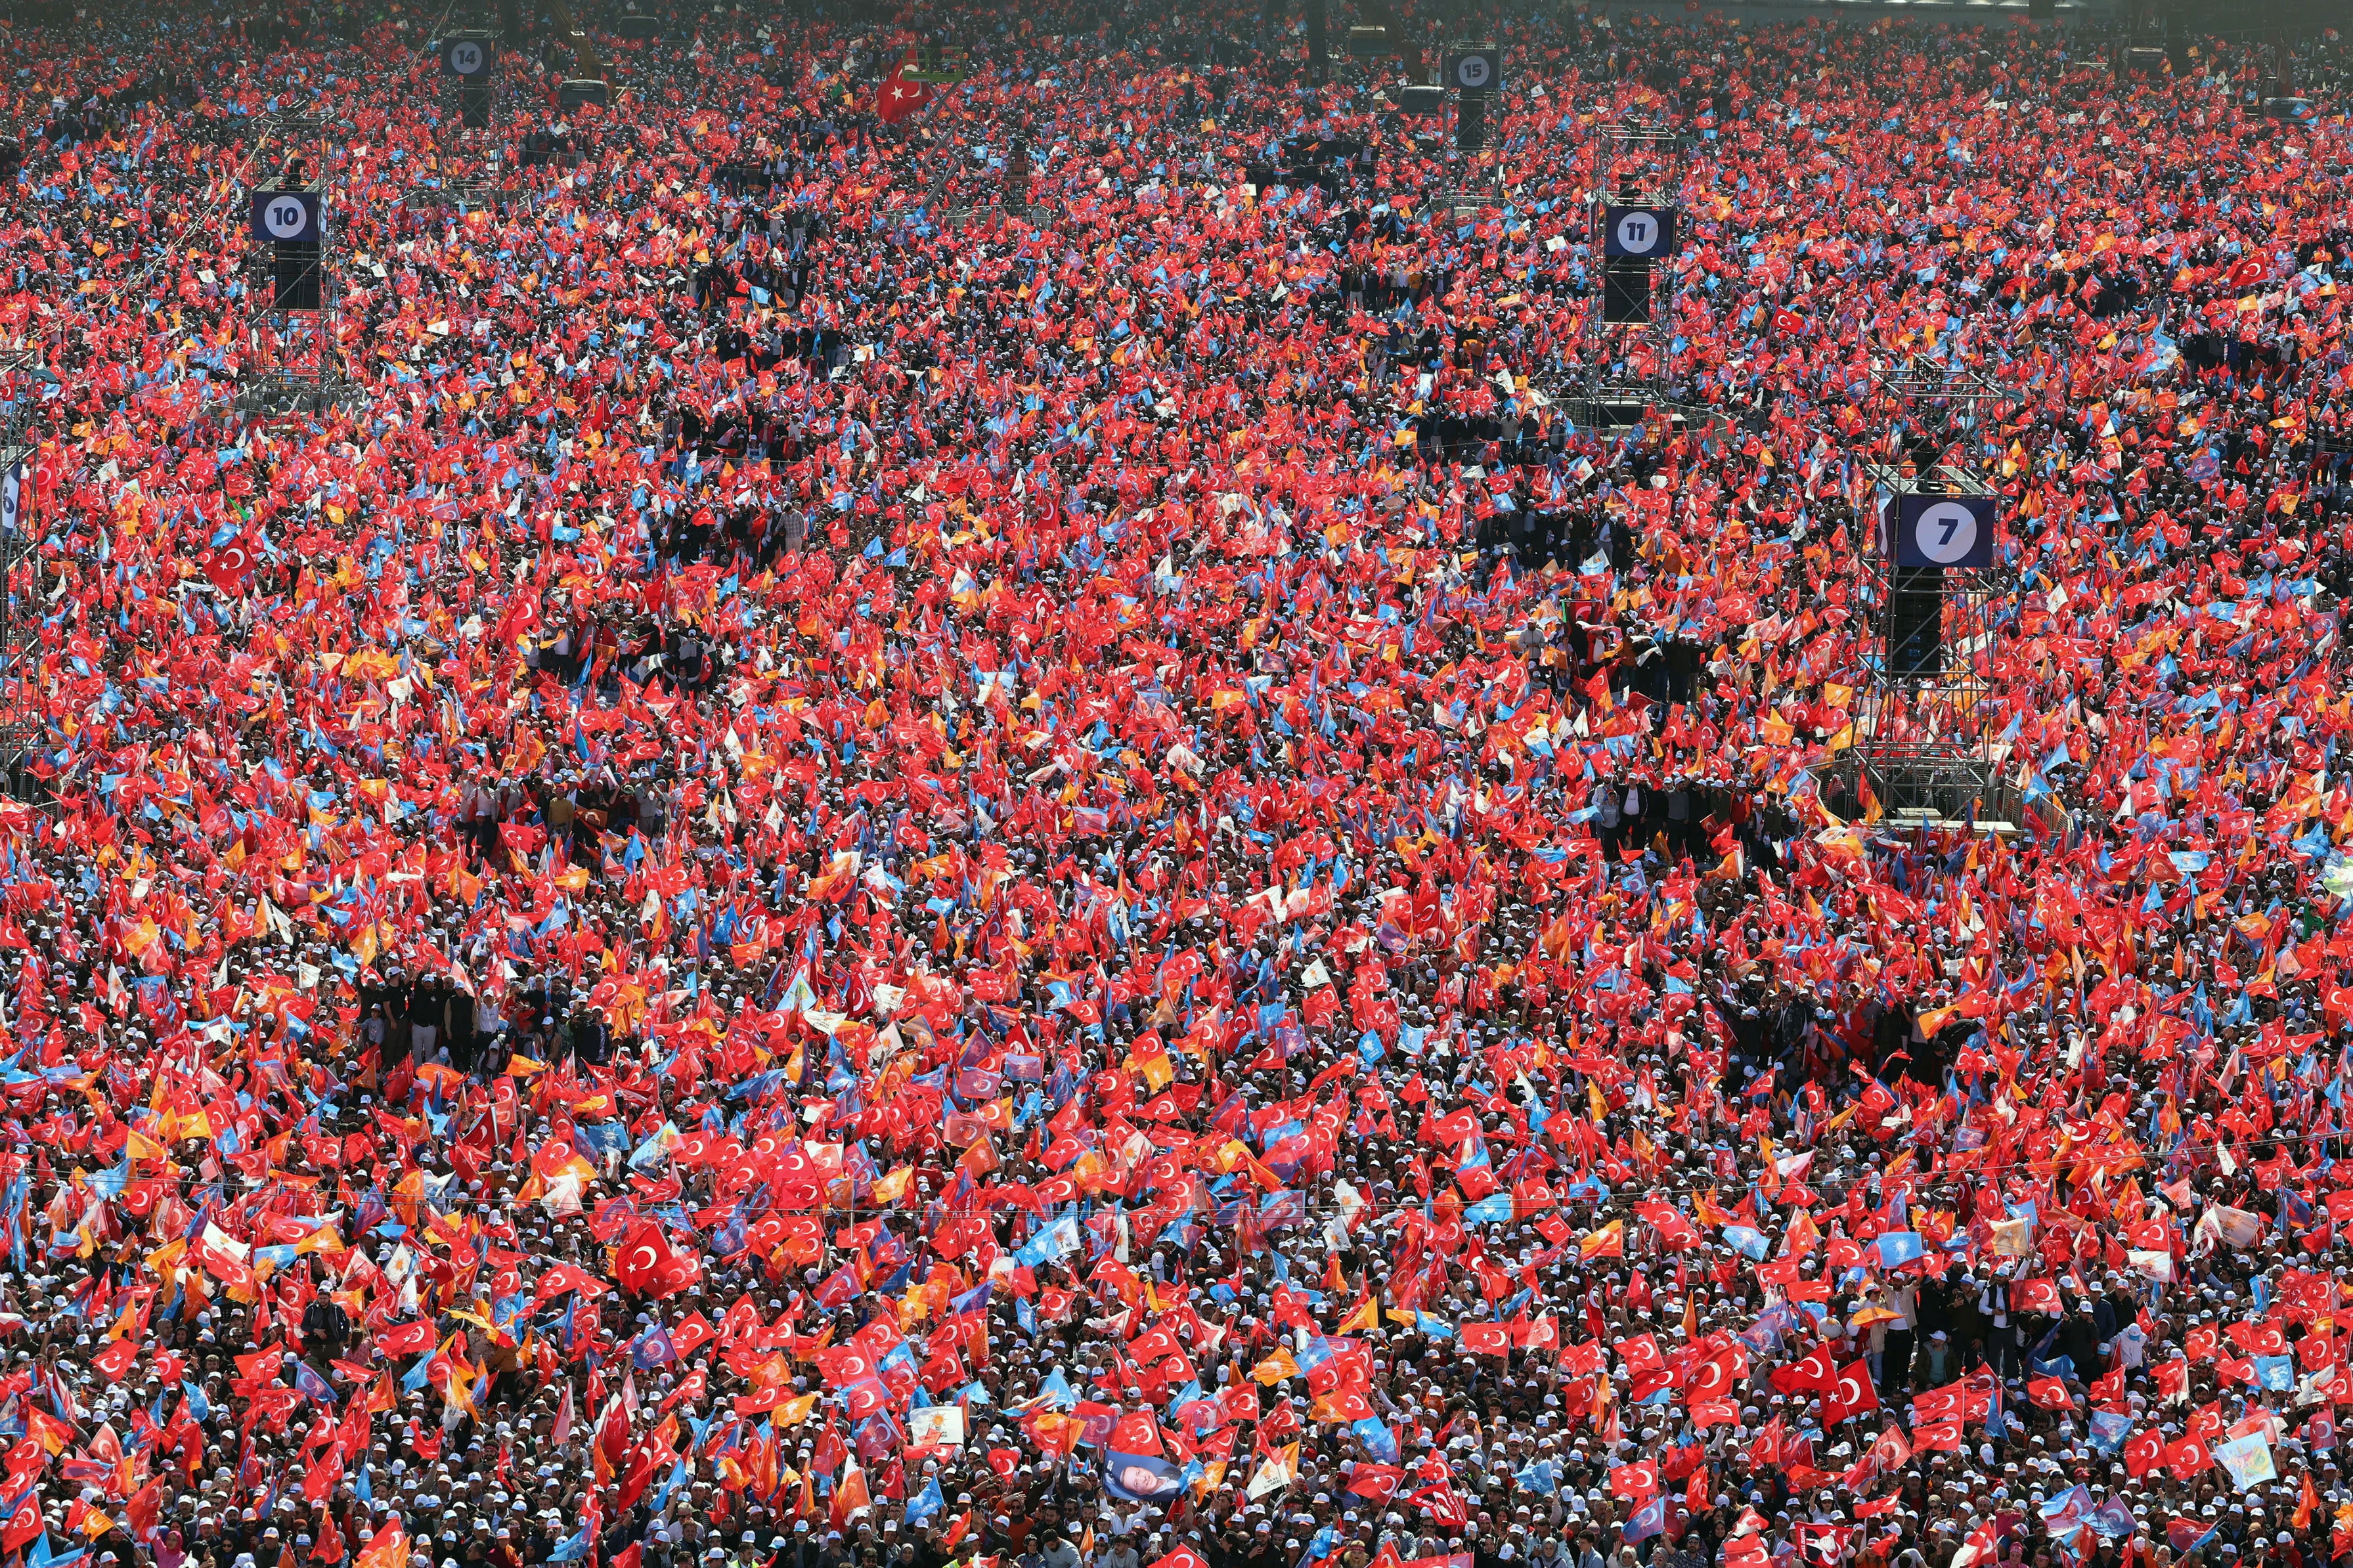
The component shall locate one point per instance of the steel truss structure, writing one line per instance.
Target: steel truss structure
(1923, 721)
(21, 725)
(1639, 163)
(296, 354)
(469, 169)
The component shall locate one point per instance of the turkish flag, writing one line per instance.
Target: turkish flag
(2188, 1459)
(644, 1265)
(2248, 271)
(898, 98)
(1136, 1433)
(1344, 1406)
(1712, 1378)
(1818, 1371)
(565, 1277)
(2051, 1392)
(1789, 321)
(1851, 1395)
(116, 1359)
(406, 1339)
(1941, 1435)
(1638, 1480)
(2260, 1339)
(23, 1522)
(1486, 1339)
(685, 1336)
(227, 566)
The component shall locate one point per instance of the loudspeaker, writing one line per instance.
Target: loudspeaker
(1319, 60)
(474, 104)
(1470, 122)
(294, 274)
(1916, 625)
(1625, 290)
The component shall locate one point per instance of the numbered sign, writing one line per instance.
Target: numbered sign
(467, 57)
(12, 499)
(285, 217)
(1943, 530)
(1644, 234)
(1474, 71)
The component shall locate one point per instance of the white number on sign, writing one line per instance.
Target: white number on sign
(1637, 233)
(466, 59)
(1472, 72)
(284, 220)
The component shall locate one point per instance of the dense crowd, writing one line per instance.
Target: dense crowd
(981, 833)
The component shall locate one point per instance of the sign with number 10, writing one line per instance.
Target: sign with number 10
(285, 216)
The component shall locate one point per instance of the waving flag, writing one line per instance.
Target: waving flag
(1898, 1247)
(898, 98)
(1851, 1395)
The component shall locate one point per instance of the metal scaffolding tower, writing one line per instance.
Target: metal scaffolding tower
(295, 356)
(21, 721)
(1923, 729)
(1623, 372)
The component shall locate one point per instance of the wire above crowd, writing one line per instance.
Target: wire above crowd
(968, 826)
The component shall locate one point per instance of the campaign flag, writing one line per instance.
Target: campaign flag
(2113, 1521)
(1898, 1247)
(2065, 1514)
(1141, 1477)
(2249, 1461)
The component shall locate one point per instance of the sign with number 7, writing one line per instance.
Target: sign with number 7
(1942, 531)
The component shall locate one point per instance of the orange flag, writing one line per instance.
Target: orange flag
(849, 1499)
(387, 1548)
